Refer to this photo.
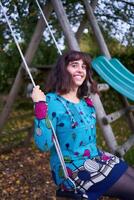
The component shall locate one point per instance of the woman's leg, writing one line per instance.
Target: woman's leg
(124, 187)
(130, 172)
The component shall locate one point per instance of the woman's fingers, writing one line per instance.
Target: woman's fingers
(37, 87)
(37, 94)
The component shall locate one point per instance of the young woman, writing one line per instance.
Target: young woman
(72, 114)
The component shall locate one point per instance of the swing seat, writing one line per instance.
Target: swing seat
(115, 74)
(69, 195)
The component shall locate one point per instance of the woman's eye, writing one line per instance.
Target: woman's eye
(74, 65)
(84, 66)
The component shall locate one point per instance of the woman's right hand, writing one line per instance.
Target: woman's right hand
(37, 95)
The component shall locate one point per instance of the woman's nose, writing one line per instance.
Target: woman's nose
(80, 68)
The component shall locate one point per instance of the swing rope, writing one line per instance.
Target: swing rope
(57, 146)
(48, 27)
(55, 140)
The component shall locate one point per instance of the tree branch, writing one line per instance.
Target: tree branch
(84, 21)
(129, 3)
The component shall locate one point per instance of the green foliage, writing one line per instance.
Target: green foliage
(116, 17)
(9, 64)
(21, 117)
(24, 21)
(88, 44)
(125, 55)
(46, 54)
(111, 99)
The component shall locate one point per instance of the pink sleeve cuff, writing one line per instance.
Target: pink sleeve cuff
(40, 110)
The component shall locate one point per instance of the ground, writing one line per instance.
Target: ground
(25, 175)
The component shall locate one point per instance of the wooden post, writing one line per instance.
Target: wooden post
(96, 30)
(73, 44)
(28, 56)
(84, 22)
(130, 115)
(61, 15)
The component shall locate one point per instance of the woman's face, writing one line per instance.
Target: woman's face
(77, 70)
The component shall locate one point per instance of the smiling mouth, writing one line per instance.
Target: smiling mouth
(78, 76)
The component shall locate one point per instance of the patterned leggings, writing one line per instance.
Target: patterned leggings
(124, 187)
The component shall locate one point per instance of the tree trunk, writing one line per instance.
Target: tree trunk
(36, 38)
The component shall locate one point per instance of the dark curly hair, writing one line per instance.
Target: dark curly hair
(59, 79)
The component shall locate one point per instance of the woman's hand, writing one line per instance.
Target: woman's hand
(37, 95)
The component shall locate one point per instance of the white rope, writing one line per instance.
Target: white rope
(48, 27)
(57, 146)
(55, 140)
(58, 149)
(60, 153)
(17, 44)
